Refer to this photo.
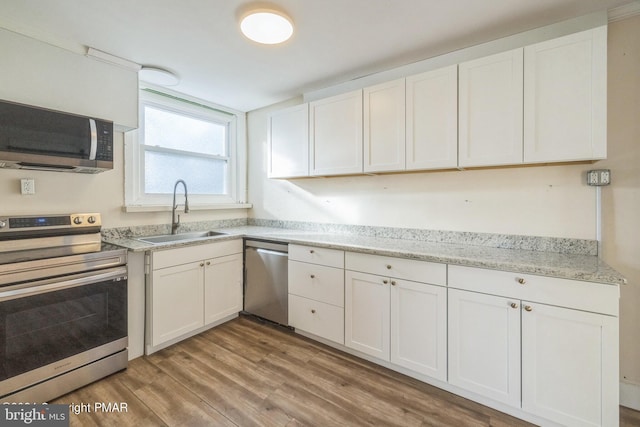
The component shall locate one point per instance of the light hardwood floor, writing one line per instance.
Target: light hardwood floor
(245, 373)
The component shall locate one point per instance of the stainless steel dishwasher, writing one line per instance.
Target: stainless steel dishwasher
(266, 284)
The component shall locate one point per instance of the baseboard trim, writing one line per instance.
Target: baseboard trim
(630, 395)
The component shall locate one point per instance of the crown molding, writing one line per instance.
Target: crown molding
(625, 11)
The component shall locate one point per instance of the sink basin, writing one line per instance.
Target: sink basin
(167, 238)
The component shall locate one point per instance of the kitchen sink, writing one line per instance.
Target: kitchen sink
(168, 238)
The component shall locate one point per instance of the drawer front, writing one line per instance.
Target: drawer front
(317, 318)
(322, 256)
(400, 268)
(317, 282)
(588, 296)
(196, 252)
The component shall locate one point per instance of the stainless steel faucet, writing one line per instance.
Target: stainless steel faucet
(175, 224)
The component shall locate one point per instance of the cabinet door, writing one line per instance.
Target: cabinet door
(484, 345)
(177, 306)
(419, 327)
(565, 98)
(570, 365)
(432, 119)
(384, 127)
(222, 287)
(335, 132)
(367, 313)
(490, 116)
(289, 142)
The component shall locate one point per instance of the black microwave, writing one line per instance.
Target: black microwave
(41, 139)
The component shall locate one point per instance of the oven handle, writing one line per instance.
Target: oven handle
(117, 274)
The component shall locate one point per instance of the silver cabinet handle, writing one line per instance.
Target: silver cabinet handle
(513, 305)
(528, 308)
(385, 281)
(521, 280)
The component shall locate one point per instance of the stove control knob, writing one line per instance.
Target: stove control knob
(77, 220)
(91, 220)
(3, 224)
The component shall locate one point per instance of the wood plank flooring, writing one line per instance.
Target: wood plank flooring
(246, 373)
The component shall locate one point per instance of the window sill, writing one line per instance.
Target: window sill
(167, 208)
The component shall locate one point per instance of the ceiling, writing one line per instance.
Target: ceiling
(334, 40)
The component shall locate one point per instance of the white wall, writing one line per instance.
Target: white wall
(621, 200)
(538, 201)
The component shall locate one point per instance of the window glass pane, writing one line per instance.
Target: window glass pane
(202, 175)
(172, 130)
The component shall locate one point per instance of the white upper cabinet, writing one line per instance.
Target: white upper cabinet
(432, 119)
(335, 129)
(565, 81)
(542, 103)
(490, 110)
(384, 127)
(289, 142)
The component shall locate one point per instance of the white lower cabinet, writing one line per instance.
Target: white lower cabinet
(541, 348)
(189, 288)
(222, 287)
(394, 319)
(316, 291)
(484, 345)
(521, 348)
(177, 301)
(570, 365)
(367, 314)
(419, 327)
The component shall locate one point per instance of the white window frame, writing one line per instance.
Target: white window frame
(135, 197)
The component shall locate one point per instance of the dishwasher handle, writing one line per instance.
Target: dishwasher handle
(269, 245)
(270, 252)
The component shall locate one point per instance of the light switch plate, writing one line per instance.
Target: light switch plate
(599, 177)
(28, 186)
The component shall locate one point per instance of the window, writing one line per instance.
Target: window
(180, 138)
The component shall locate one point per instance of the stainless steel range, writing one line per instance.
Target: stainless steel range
(63, 306)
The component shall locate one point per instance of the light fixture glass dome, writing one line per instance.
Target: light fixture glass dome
(158, 76)
(267, 26)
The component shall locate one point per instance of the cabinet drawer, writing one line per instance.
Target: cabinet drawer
(320, 283)
(588, 296)
(187, 254)
(323, 256)
(400, 268)
(317, 318)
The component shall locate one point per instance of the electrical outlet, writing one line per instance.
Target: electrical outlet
(28, 186)
(599, 177)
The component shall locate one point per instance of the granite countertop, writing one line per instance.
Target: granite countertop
(567, 266)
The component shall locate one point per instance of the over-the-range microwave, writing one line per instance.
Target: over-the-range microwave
(41, 139)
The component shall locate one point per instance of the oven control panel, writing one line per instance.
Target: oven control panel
(49, 222)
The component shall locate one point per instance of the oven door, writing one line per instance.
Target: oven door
(52, 326)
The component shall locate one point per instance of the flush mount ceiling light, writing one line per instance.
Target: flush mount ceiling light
(267, 26)
(158, 76)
